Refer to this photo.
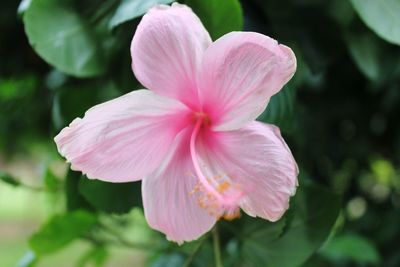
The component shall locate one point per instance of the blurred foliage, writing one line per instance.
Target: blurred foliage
(353, 248)
(339, 115)
(372, 12)
(69, 42)
(7, 178)
(219, 17)
(108, 197)
(61, 230)
(291, 240)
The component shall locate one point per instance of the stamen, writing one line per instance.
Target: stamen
(199, 173)
(217, 195)
(229, 215)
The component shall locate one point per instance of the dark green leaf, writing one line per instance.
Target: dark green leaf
(259, 230)
(72, 101)
(60, 230)
(365, 51)
(75, 200)
(232, 255)
(111, 197)
(381, 16)
(351, 247)
(375, 58)
(63, 39)
(130, 9)
(313, 211)
(7, 178)
(219, 17)
(280, 108)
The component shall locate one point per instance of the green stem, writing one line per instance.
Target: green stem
(217, 247)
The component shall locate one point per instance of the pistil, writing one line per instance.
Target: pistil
(218, 195)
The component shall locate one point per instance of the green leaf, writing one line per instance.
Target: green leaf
(312, 214)
(111, 197)
(261, 231)
(23, 5)
(63, 39)
(70, 102)
(365, 51)
(51, 182)
(75, 200)
(60, 230)
(351, 247)
(381, 16)
(280, 108)
(219, 17)
(7, 178)
(131, 9)
(96, 255)
(375, 58)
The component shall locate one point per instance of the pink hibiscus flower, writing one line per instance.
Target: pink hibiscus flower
(192, 138)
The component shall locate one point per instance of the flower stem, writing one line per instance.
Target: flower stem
(217, 247)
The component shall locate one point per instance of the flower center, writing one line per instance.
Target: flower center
(216, 193)
(202, 117)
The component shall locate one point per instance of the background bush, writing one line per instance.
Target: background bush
(339, 115)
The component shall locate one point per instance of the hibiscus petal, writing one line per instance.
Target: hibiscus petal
(239, 74)
(167, 50)
(256, 161)
(169, 205)
(123, 139)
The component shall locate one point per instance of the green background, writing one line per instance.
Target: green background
(339, 115)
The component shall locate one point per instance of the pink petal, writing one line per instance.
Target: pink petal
(168, 203)
(240, 72)
(167, 49)
(257, 162)
(123, 139)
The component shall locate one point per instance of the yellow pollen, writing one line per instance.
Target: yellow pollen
(223, 186)
(209, 202)
(230, 215)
